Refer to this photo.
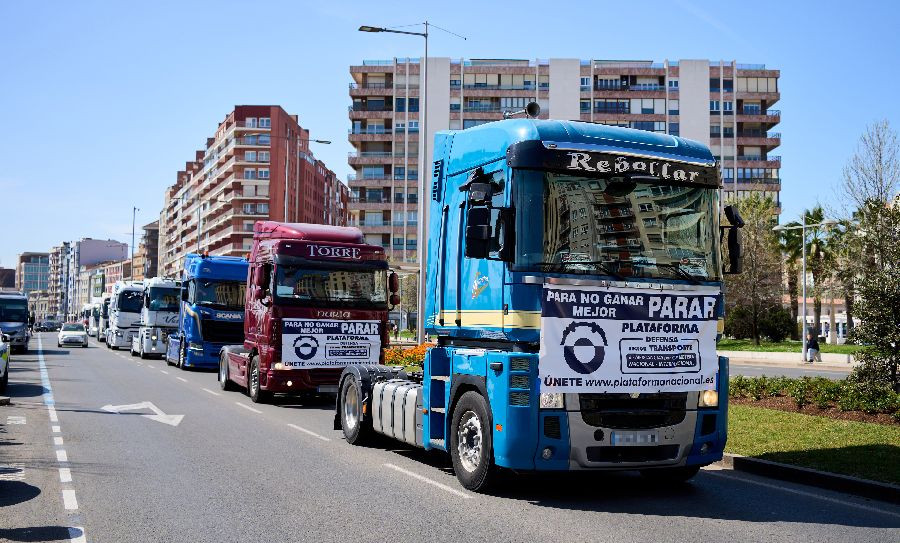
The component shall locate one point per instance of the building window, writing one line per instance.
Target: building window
(455, 82)
(413, 105)
(263, 173)
(585, 106)
(250, 173)
(399, 172)
(674, 107)
(413, 126)
(585, 83)
(250, 122)
(249, 156)
(263, 156)
(400, 105)
(728, 107)
(265, 122)
(714, 105)
(673, 84)
(674, 129)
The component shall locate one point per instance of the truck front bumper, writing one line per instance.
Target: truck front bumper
(323, 380)
(205, 357)
(567, 442)
(121, 338)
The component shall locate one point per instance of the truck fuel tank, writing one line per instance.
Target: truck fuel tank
(397, 410)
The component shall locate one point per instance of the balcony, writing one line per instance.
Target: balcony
(758, 115)
(382, 86)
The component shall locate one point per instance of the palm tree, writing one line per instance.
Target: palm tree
(791, 245)
(819, 259)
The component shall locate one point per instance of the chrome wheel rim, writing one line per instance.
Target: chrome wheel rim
(469, 440)
(254, 379)
(351, 407)
(221, 371)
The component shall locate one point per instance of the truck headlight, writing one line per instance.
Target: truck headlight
(153, 337)
(552, 400)
(118, 333)
(708, 398)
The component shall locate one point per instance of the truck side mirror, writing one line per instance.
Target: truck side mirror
(393, 283)
(733, 241)
(395, 299)
(258, 293)
(478, 232)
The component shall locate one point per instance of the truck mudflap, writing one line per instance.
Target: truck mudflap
(397, 410)
(365, 375)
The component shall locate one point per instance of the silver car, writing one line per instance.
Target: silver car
(72, 333)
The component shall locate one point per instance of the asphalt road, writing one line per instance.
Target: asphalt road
(231, 470)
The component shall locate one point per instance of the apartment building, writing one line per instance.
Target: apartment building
(81, 255)
(146, 256)
(725, 105)
(32, 272)
(257, 166)
(57, 280)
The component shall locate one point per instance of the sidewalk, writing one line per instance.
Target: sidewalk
(793, 360)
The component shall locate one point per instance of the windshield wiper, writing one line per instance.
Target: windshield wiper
(598, 264)
(676, 267)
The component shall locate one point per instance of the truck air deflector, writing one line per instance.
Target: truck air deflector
(290, 260)
(607, 161)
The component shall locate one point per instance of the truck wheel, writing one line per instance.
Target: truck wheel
(142, 354)
(224, 380)
(670, 475)
(356, 430)
(4, 380)
(471, 443)
(181, 356)
(131, 349)
(257, 395)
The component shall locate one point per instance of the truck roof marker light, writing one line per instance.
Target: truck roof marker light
(499, 427)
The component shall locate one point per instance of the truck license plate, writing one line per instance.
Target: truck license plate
(626, 439)
(327, 389)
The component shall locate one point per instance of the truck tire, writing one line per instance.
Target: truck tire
(356, 431)
(225, 382)
(471, 447)
(670, 475)
(4, 381)
(256, 393)
(132, 351)
(141, 353)
(181, 357)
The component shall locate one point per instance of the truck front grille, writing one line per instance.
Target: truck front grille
(519, 399)
(640, 453)
(623, 411)
(222, 331)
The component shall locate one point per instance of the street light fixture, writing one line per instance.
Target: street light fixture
(828, 223)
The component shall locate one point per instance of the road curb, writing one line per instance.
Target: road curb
(822, 479)
(4, 400)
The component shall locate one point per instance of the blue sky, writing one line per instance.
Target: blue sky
(102, 102)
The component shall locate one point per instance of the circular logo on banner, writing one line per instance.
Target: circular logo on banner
(584, 346)
(305, 347)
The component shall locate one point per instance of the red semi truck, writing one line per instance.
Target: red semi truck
(317, 299)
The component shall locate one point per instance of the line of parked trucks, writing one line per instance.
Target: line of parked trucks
(574, 286)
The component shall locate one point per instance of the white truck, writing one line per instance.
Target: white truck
(159, 317)
(104, 318)
(124, 313)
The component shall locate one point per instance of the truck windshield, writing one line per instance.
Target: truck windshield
(616, 227)
(131, 301)
(164, 299)
(220, 294)
(105, 313)
(13, 310)
(356, 288)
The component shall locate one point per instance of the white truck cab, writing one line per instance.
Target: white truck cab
(159, 316)
(124, 313)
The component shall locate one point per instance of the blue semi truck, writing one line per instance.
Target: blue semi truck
(574, 279)
(211, 313)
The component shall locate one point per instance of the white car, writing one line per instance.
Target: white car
(72, 333)
(4, 362)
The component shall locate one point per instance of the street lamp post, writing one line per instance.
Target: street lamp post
(424, 160)
(803, 227)
(287, 141)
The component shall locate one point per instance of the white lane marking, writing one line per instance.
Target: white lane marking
(57, 440)
(803, 493)
(151, 367)
(61, 455)
(15, 420)
(76, 534)
(310, 432)
(65, 475)
(182, 379)
(55, 429)
(247, 407)
(424, 479)
(164, 371)
(211, 392)
(53, 416)
(69, 499)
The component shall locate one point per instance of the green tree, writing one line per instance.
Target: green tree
(878, 291)
(757, 289)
